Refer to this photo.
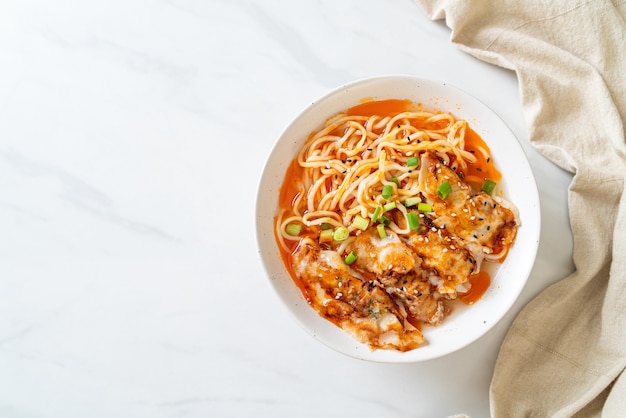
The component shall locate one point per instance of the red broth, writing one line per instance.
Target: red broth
(474, 175)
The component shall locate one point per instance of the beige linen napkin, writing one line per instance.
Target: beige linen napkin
(565, 353)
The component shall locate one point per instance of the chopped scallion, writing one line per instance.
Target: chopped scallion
(387, 191)
(293, 229)
(488, 186)
(412, 201)
(376, 213)
(384, 220)
(325, 225)
(424, 207)
(381, 230)
(341, 233)
(413, 220)
(351, 258)
(389, 206)
(395, 180)
(326, 235)
(412, 162)
(444, 190)
(360, 222)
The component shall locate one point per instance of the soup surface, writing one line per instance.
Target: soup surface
(387, 213)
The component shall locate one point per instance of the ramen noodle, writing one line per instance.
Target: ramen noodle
(387, 214)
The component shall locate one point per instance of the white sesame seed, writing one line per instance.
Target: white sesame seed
(445, 250)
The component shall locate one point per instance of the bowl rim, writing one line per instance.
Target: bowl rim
(531, 228)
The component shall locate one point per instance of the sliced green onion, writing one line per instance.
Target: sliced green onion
(360, 222)
(341, 233)
(325, 225)
(293, 229)
(351, 258)
(389, 206)
(376, 213)
(326, 235)
(387, 191)
(412, 162)
(413, 219)
(395, 180)
(384, 220)
(412, 201)
(488, 186)
(424, 207)
(444, 190)
(381, 230)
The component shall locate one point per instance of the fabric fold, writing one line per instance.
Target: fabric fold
(565, 353)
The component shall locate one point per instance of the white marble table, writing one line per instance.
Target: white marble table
(132, 135)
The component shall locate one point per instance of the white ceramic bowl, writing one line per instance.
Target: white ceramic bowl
(466, 323)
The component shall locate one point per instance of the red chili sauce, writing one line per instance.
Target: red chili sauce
(474, 175)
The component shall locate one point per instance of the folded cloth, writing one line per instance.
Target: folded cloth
(565, 353)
